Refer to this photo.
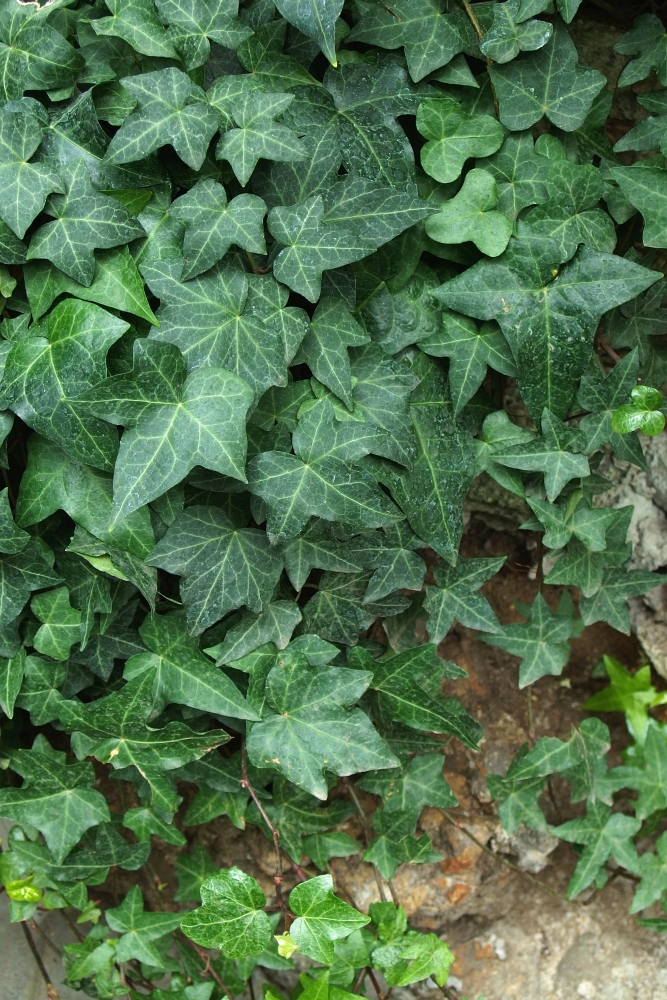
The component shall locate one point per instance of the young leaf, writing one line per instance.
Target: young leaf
(603, 836)
(470, 215)
(139, 929)
(455, 597)
(647, 41)
(454, 136)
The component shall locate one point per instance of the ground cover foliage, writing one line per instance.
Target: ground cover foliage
(265, 271)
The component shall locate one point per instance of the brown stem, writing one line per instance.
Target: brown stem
(278, 877)
(503, 861)
(51, 991)
(480, 33)
(208, 969)
(360, 979)
(256, 269)
(608, 350)
(75, 930)
(376, 985)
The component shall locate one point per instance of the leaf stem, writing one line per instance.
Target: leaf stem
(480, 34)
(278, 877)
(376, 985)
(503, 861)
(47, 939)
(367, 837)
(51, 991)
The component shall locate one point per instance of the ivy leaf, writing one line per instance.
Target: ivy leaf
(34, 55)
(222, 567)
(316, 19)
(604, 835)
(431, 493)
(183, 676)
(417, 784)
(469, 350)
(297, 814)
(116, 284)
(396, 844)
(471, 215)
(12, 671)
(337, 611)
(320, 847)
(549, 82)
(571, 217)
(454, 136)
(52, 480)
(541, 642)
(258, 135)
(25, 185)
(171, 110)
(632, 694)
(145, 823)
(262, 55)
(520, 174)
(56, 798)
(315, 547)
(21, 574)
(93, 865)
(61, 623)
(268, 299)
(85, 220)
(539, 306)
(231, 917)
(396, 319)
(553, 453)
(572, 517)
(514, 31)
(316, 482)
(455, 597)
(653, 871)
(191, 871)
(313, 728)
(430, 36)
(207, 319)
(40, 691)
(397, 684)
(332, 330)
(602, 396)
(12, 539)
(139, 929)
(380, 394)
(275, 624)
(608, 604)
(390, 554)
(311, 246)
(643, 185)
(137, 24)
(322, 918)
(194, 24)
(214, 224)
(647, 41)
(176, 421)
(113, 729)
(648, 779)
(61, 357)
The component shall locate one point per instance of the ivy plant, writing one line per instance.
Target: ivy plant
(265, 272)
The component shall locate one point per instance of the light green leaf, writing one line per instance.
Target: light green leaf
(512, 31)
(257, 134)
(471, 215)
(541, 642)
(603, 836)
(454, 136)
(332, 330)
(139, 929)
(60, 623)
(322, 918)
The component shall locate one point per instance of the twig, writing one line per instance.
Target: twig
(208, 969)
(51, 991)
(608, 350)
(503, 861)
(376, 985)
(360, 979)
(480, 34)
(278, 877)
(75, 930)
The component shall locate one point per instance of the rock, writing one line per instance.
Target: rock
(532, 847)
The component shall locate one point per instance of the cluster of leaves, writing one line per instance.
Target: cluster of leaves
(264, 269)
(606, 832)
